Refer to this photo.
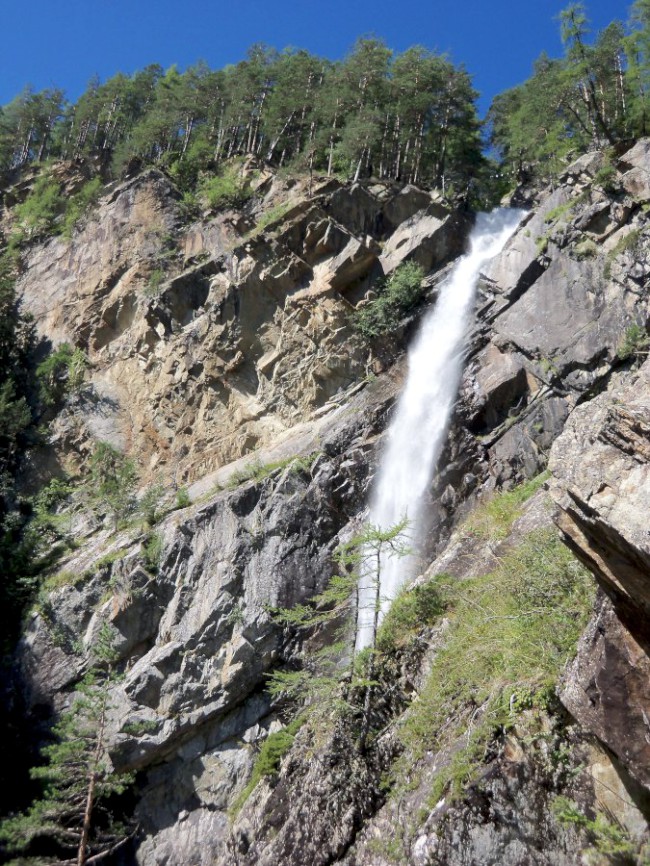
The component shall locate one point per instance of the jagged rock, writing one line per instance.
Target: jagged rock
(601, 464)
(570, 316)
(246, 348)
(500, 381)
(404, 205)
(637, 156)
(636, 182)
(229, 352)
(606, 690)
(308, 816)
(429, 239)
(584, 166)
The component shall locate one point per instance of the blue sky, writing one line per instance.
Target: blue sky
(64, 43)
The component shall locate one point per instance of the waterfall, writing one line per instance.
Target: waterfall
(418, 429)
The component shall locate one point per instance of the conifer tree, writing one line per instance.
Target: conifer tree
(339, 677)
(71, 821)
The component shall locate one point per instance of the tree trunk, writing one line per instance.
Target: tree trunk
(367, 700)
(189, 126)
(92, 782)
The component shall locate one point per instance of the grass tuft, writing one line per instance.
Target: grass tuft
(511, 633)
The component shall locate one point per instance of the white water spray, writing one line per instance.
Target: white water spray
(419, 426)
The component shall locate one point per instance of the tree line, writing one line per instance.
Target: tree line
(596, 95)
(409, 117)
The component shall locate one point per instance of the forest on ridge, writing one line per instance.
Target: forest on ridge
(410, 117)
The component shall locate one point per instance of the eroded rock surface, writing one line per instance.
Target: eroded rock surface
(244, 356)
(196, 361)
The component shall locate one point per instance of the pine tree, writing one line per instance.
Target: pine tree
(637, 75)
(338, 677)
(71, 821)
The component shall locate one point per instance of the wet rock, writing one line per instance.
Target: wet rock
(500, 382)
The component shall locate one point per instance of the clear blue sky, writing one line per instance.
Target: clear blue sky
(47, 43)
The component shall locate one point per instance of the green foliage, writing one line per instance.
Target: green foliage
(588, 98)
(16, 417)
(79, 205)
(336, 681)
(258, 471)
(273, 215)
(112, 482)
(413, 608)
(138, 729)
(606, 178)
(183, 498)
(630, 242)
(63, 578)
(586, 249)
(155, 281)
(189, 206)
(635, 342)
(61, 373)
(149, 505)
(408, 117)
(492, 520)
(47, 211)
(77, 780)
(511, 633)
(268, 760)
(228, 189)
(396, 297)
(152, 551)
(607, 837)
(39, 213)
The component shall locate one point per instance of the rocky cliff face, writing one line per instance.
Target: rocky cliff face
(210, 340)
(222, 355)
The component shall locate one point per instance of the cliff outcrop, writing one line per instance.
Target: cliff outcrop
(222, 355)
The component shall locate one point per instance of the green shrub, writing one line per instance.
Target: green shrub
(189, 206)
(607, 837)
(413, 608)
(271, 216)
(152, 551)
(112, 482)
(182, 498)
(138, 729)
(511, 633)
(396, 297)
(47, 533)
(63, 578)
(565, 209)
(586, 249)
(60, 373)
(228, 189)
(273, 749)
(630, 242)
(493, 519)
(108, 559)
(79, 204)
(258, 471)
(155, 281)
(635, 342)
(606, 178)
(149, 505)
(38, 214)
(541, 245)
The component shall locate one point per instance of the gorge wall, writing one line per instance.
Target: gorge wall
(222, 356)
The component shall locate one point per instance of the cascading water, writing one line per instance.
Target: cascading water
(419, 426)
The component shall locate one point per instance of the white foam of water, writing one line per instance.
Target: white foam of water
(418, 429)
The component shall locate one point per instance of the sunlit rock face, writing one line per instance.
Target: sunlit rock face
(224, 357)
